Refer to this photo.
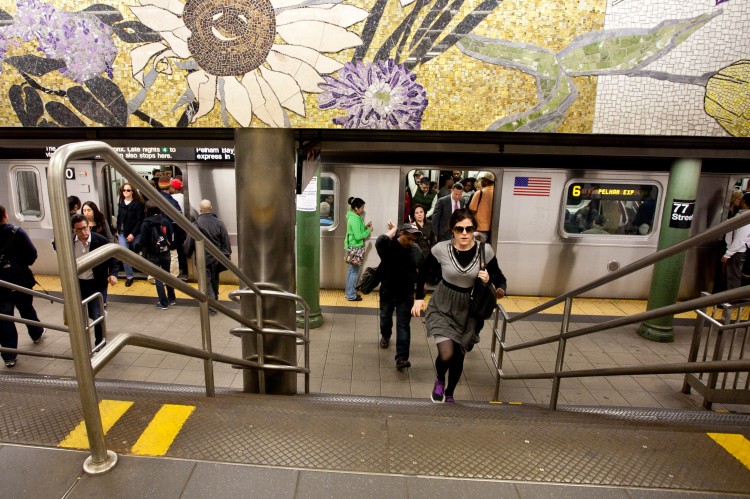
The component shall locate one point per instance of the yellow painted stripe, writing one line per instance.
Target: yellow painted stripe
(162, 430)
(110, 410)
(736, 445)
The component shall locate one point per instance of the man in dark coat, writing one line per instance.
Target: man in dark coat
(400, 259)
(20, 253)
(444, 208)
(96, 279)
(216, 232)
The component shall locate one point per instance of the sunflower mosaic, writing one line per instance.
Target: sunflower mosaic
(510, 65)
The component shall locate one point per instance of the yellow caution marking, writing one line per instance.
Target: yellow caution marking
(110, 410)
(162, 430)
(736, 445)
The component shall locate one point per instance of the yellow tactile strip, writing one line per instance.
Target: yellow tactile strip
(336, 298)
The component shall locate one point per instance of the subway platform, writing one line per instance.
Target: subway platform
(367, 430)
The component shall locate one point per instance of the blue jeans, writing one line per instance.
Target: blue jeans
(124, 242)
(164, 298)
(88, 288)
(351, 282)
(403, 317)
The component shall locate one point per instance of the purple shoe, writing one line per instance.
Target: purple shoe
(449, 400)
(438, 393)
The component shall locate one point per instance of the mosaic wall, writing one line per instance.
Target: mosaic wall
(582, 66)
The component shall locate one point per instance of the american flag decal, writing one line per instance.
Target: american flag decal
(532, 186)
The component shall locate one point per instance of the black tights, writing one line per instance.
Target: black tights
(450, 358)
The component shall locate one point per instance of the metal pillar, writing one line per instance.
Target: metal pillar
(675, 227)
(264, 162)
(308, 250)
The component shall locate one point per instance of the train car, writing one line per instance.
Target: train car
(542, 217)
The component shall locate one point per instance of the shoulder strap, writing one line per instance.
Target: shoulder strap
(482, 262)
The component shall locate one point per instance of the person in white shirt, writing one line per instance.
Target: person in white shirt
(737, 241)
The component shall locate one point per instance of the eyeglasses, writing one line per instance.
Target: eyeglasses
(127, 190)
(469, 229)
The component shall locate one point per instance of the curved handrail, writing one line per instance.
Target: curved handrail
(691, 242)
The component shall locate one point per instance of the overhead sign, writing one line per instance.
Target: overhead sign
(166, 153)
(682, 213)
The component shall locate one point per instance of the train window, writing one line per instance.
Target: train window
(329, 188)
(609, 208)
(28, 198)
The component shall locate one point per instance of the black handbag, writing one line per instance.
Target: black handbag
(369, 280)
(483, 296)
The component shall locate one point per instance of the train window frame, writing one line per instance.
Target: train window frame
(335, 192)
(618, 185)
(19, 197)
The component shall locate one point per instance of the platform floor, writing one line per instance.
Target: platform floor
(346, 358)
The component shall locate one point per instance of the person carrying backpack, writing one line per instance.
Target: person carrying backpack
(157, 239)
(17, 253)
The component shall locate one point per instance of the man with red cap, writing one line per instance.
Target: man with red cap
(175, 190)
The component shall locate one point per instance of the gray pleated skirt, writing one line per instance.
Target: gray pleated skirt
(448, 315)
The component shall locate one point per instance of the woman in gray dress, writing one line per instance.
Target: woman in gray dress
(448, 319)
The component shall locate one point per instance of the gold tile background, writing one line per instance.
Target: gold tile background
(463, 93)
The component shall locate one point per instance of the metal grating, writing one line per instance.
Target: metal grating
(586, 445)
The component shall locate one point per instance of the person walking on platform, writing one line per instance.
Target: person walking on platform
(129, 219)
(216, 232)
(157, 240)
(17, 253)
(354, 245)
(448, 317)
(399, 264)
(737, 241)
(94, 280)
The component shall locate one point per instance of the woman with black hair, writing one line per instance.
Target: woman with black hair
(448, 317)
(130, 216)
(354, 245)
(96, 219)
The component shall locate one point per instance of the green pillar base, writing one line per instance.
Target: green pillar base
(316, 320)
(662, 334)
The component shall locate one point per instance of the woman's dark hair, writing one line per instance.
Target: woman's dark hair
(152, 209)
(74, 203)
(462, 214)
(414, 209)
(356, 203)
(3, 211)
(99, 219)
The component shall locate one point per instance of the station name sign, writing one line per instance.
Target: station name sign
(164, 153)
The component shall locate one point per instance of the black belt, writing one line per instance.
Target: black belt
(456, 288)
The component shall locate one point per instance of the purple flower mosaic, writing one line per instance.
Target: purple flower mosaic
(82, 41)
(378, 95)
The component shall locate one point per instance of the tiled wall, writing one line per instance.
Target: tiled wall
(670, 67)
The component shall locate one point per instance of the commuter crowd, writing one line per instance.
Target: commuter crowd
(443, 243)
(140, 226)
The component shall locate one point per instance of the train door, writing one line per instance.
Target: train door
(424, 186)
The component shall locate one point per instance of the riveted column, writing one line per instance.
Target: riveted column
(264, 162)
(308, 248)
(676, 220)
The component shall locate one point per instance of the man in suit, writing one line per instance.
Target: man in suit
(444, 208)
(96, 279)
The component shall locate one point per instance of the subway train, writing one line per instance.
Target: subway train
(542, 217)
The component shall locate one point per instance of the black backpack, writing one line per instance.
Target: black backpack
(159, 240)
(8, 269)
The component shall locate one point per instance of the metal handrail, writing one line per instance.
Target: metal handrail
(303, 339)
(691, 242)
(102, 460)
(565, 334)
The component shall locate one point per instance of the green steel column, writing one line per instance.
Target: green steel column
(675, 227)
(308, 250)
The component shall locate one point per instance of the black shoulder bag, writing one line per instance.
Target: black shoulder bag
(369, 280)
(483, 296)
